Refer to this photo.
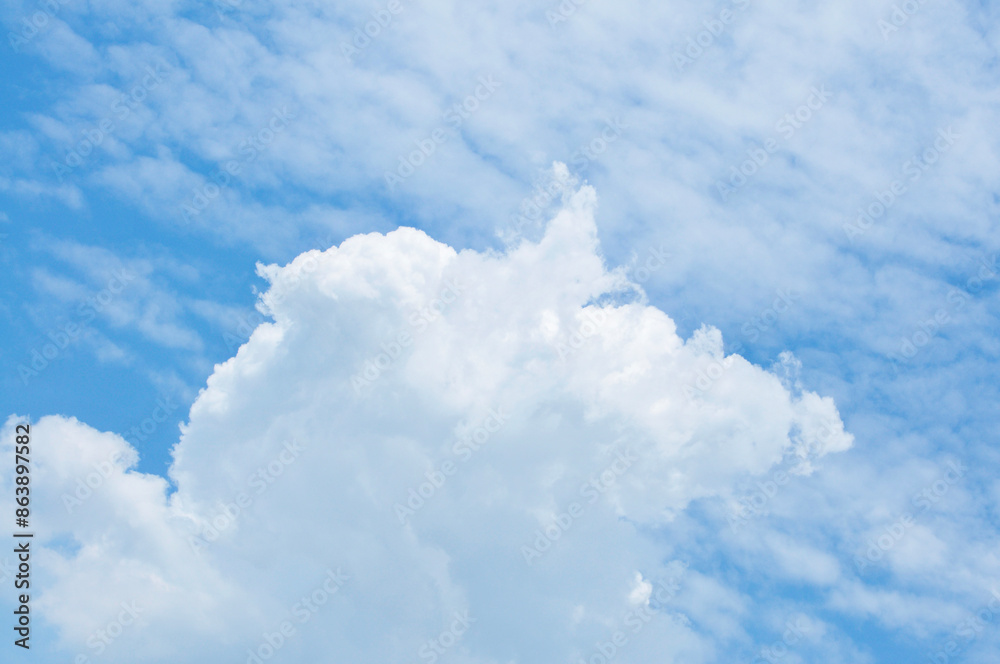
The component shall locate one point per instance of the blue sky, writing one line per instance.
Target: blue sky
(788, 210)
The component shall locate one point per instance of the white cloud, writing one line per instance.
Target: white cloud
(126, 292)
(593, 440)
(785, 227)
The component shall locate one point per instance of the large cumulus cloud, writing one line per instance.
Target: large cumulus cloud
(474, 444)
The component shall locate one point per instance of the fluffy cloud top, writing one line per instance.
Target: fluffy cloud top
(428, 454)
